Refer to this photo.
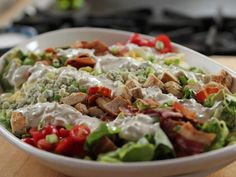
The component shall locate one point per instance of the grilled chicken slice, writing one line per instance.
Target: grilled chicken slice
(113, 106)
(123, 91)
(95, 111)
(81, 108)
(223, 78)
(131, 83)
(174, 88)
(101, 101)
(196, 87)
(167, 76)
(18, 122)
(153, 81)
(137, 92)
(74, 98)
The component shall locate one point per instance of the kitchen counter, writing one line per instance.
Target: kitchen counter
(16, 163)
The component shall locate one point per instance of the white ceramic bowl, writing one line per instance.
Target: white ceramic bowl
(195, 166)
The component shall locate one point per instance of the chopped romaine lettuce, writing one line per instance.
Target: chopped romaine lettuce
(164, 148)
(131, 152)
(229, 111)
(5, 119)
(183, 80)
(220, 129)
(102, 131)
(141, 105)
(175, 61)
(188, 93)
(213, 98)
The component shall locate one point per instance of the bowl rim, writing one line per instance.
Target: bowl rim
(227, 151)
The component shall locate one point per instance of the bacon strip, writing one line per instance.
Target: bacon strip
(185, 137)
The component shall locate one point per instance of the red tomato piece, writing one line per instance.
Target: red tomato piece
(167, 47)
(29, 141)
(100, 90)
(135, 38)
(63, 132)
(201, 96)
(37, 136)
(64, 146)
(46, 130)
(44, 145)
(211, 90)
(186, 112)
(80, 133)
(106, 91)
(93, 90)
(34, 129)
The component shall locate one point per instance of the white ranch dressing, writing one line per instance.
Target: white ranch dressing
(110, 62)
(71, 52)
(134, 127)
(56, 114)
(83, 78)
(156, 94)
(17, 75)
(201, 111)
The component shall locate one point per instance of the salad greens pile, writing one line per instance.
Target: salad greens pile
(132, 102)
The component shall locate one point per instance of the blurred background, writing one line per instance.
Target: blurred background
(204, 25)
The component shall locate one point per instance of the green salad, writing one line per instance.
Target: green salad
(127, 102)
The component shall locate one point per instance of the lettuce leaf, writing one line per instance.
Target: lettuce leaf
(213, 98)
(5, 120)
(131, 152)
(164, 148)
(229, 111)
(220, 129)
(102, 131)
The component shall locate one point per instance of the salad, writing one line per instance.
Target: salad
(128, 102)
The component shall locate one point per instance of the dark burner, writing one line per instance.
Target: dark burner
(216, 35)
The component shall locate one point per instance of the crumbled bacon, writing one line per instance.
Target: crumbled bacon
(186, 139)
(81, 61)
(99, 47)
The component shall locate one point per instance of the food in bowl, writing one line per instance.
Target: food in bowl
(128, 102)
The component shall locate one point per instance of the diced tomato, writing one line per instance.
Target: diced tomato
(29, 141)
(80, 133)
(140, 41)
(44, 145)
(34, 129)
(167, 47)
(135, 38)
(64, 146)
(186, 112)
(63, 132)
(100, 90)
(106, 91)
(211, 90)
(93, 90)
(164, 47)
(201, 96)
(37, 136)
(46, 130)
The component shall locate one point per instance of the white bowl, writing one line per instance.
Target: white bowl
(197, 165)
